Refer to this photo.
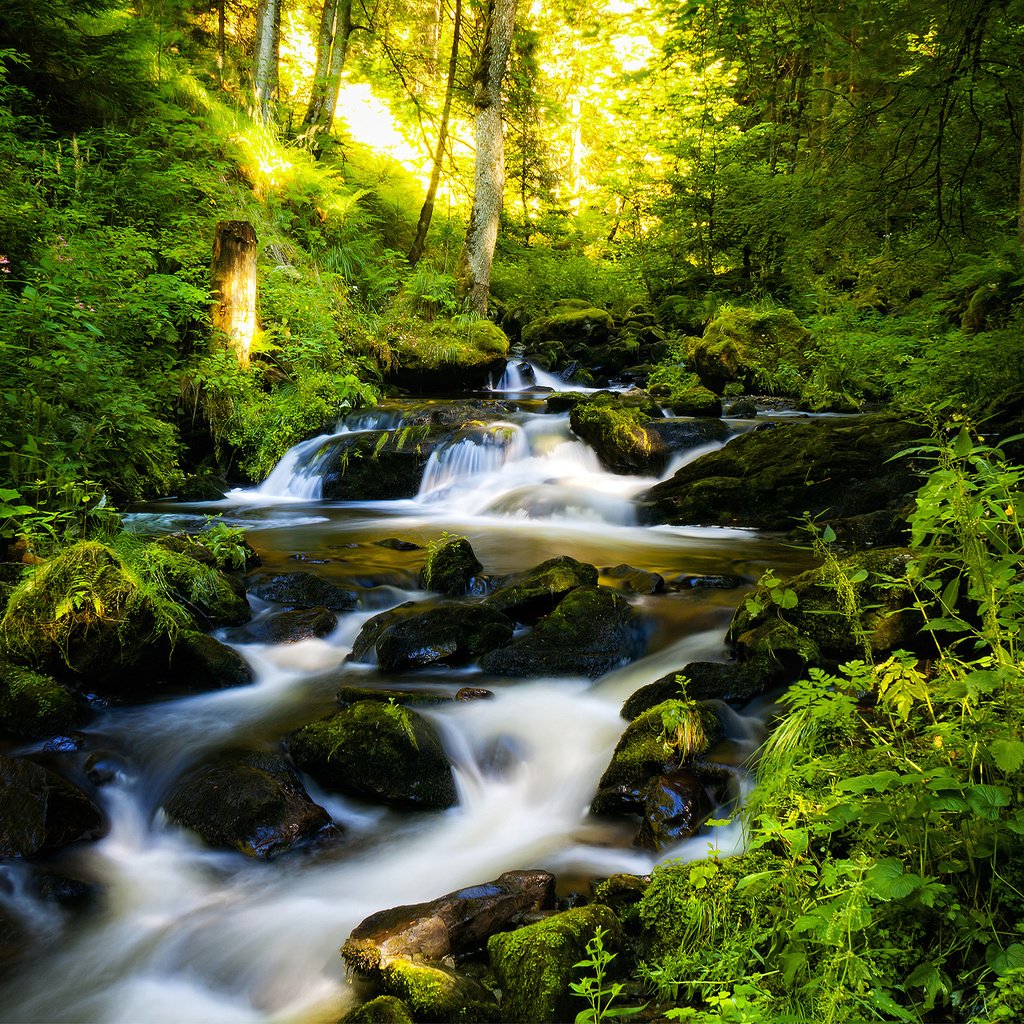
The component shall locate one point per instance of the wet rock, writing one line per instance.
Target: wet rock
(621, 891)
(591, 631)
(380, 752)
(292, 626)
(40, 811)
(850, 608)
(688, 581)
(438, 992)
(202, 487)
(354, 694)
(535, 964)
(655, 743)
(620, 437)
(375, 465)
(683, 434)
(571, 328)
(735, 682)
(742, 408)
(381, 1010)
(531, 595)
(201, 662)
(36, 705)
(676, 805)
(450, 632)
(450, 567)
(772, 479)
(633, 580)
(445, 357)
(304, 590)
(396, 544)
(474, 693)
(249, 801)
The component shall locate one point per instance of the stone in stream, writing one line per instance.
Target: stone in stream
(40, 811)
(675, 806)
(291, 626)
(528, 596)
(249, 801)
(619, 436)
(199, 661)
(735, 682)
(303, 590)
(633, 580)
(408, 951)
(381, 1010)
(451, 567)
(377, 751)
(34, 704)
(592, 631)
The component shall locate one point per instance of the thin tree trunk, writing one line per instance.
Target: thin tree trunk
(221, 41)
(474, 273)
(265, 72)
(1020, 192)
(233, 283)
(325, 39)
(427, 212)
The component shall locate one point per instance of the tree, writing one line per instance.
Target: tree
(268, 30)
(332, 48)
(474, 272)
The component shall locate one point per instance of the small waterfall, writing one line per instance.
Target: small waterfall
(522, 375)
(471, 454)
(297, 475)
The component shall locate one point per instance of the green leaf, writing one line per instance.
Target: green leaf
(1004, 960)
(1007, 754)
(880, 782)
(888, 880)
(828, 535)
(986, 801)
(963, 444)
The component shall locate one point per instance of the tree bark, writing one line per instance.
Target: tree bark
(233, 283)
(332, 48)
(474, 273)
(1020, 192)
(265, 70)
(427, 211)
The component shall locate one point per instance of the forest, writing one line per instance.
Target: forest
(296, 297)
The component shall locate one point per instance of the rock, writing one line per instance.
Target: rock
(397, 544)
(735, 682)
(437, 992)
(621, 891)
(36, 705)
(382, 1010)
(676, 805)
(772, 479)
(379, 752)
(416, 634)
(688, 581)
(214, 598)
(304, 590)
(292, 626)
(456, 923)
(444, 357)
(592, 631)
(249, 801)
(632, 580)
(686, 396)
(348, 695)
(742, 409)
(684, 434)
(201, 662)
(202, 487)
(620, 437)
(375, 465)
(40, 811)
(450, 567)
(535, 964)
(210, 549)
(846, 608)
(571, 328)
(655, 743)
(531, 595)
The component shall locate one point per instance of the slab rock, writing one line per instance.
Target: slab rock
(303, 590)
(531, 595)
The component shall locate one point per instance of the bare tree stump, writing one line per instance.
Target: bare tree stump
(234, 285)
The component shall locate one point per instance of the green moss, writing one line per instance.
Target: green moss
(445, 343)
(382, 1010)
(619, 435)
(436, 993)
(450, 565)
(569, 326)
(32, 704)
(538, 591)
(535, 965)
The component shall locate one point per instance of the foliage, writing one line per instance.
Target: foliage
(596, 989)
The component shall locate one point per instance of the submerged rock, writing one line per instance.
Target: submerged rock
(380, 752)
(40, 811)
(535, 964)
(304, 590)
(633, 580)
(249, 801)
(531, 595)
(592, 631)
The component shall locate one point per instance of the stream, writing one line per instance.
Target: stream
(181, 933)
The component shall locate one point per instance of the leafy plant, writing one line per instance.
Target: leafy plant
(595, 987)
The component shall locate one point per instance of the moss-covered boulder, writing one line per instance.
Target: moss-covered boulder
(655, 743)
(592, 631)
(853, 607)
(530, 595)
(202, 487)
(418, 634)
(771, 479)
(578, 330)
(200, 662)
(686, 396)
(446, 357)
(735, 682)
(620, 437)
(450, 567)
(36, 705)
(380, 752)
(381, 1010)
(303, 590)
(40, 811)
(438, 992)
(762, 350)
(375, 465)
(249, 801)
(535, 965)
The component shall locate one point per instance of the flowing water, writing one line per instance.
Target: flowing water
(181, 933)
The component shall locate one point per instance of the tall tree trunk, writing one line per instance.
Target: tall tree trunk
(332, 48)
(427, 212)
(1020, 192)
(324, 41)
(233, 283)
(221, 41)
(265, 71)
(474, 272)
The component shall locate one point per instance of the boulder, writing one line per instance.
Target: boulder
(574, 329)
(451, 567)
(303, 590)
(380, 752)
(592, 631)
(632, 580)
(773, 479)
(40, 811)
(381, 1010)
(735, 682)
(291, 626)
(535, 964)
(531, 595)
(416, 634)
(249, 801)
(446, 357)
(620, 437)
(200, 662)
(684, 434)
(675, 806)
(36, 705)
(202, 487)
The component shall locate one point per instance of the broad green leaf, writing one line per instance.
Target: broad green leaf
(986, 801)
(828, 535)
(1007, 754)
(1003, 960)
(880, 782)
(890, 881)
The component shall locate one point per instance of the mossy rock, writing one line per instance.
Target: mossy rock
(202, 487)
(382, 1010)
(384, 753)
(445, 357)
(620, 437)
(592, 631)
(536, 964)
(532, 594)
(375, 465)
(644, 752)
(303, 590)
(291, 626)
(772, 479)
(762, 350)
(214, 598)
(846, 608)
(201, 662)
(735, 682)
(450, 567)
(40, 811)
(434, 992)
(573, 328)
(631, 580)
(36, 705)
(694, 401)
(249, 801)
